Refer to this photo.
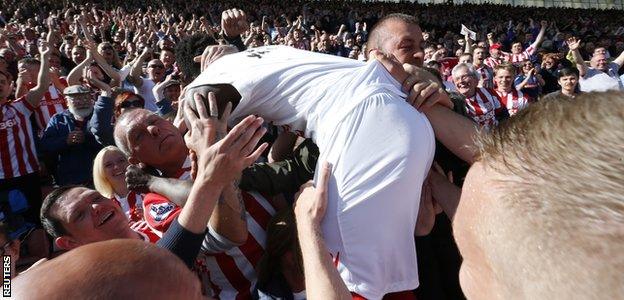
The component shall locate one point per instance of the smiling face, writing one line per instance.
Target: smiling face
(599, 61)
(89, 217)
(465, 82)
(155, 69)
(504, 80)
(115, 164)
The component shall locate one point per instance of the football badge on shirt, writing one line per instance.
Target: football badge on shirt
(160, 212)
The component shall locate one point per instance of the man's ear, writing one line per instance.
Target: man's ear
(66, 242)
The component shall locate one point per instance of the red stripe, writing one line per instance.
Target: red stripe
(257, 212)
(476, 104)
(32, 158)
(19, 151)
(5, 153)
(252, 250)
(233, 275)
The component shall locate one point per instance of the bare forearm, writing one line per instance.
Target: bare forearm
(106, 67)
(322, 280)
(456, 132)
(176, 190)
(43, 82)
(446, 194)
(229, 218)
(200, 204)
(74, 76)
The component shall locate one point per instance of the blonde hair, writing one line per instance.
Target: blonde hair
(557, 231)
(507, 67)
(100, 182)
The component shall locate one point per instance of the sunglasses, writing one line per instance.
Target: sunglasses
(134, 103)
(156, 66)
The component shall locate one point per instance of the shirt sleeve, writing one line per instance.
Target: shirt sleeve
(215, 243)
(181, 242)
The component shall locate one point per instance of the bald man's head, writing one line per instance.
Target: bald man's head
(399, 35)
(115, 269)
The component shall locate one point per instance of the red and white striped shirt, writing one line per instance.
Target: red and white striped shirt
(514, 101)
(483, 107)
(522, 56)
(486, 75)
(232, 274)
(53, 102)
(17, 145)
(132, 205)
(493, 62)
(514, 58)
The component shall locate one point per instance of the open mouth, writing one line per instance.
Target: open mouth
(106, 218)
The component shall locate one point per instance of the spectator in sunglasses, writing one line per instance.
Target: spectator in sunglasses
(127, 100)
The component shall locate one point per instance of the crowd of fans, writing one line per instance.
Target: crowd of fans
(75, 170)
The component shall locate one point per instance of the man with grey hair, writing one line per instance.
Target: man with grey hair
(483, 104)
(69, 139)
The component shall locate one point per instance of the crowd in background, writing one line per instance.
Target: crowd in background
(68, 71)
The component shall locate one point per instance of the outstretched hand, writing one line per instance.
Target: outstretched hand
(221, 161)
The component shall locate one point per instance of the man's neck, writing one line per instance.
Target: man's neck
(569, 93)
(503, 90)
(171, 169)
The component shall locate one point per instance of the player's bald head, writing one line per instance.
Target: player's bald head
(115, 269)
(380, 31)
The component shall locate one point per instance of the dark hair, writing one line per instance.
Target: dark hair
(567, 71)
(187, 49)
(52, 225)
(122, 97)
(281, 239)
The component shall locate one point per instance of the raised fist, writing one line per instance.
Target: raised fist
(234, 22)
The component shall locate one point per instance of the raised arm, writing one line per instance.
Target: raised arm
(99, 59)
(573, 45)
(75, 74)
(455, 131)
(43, 79)
(540, 37)
(620, 59)
(218, 163)
(137, 68)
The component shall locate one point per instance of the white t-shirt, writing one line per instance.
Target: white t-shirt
(379, 146)
(314, 85)
(148, 95)
(599, 81)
